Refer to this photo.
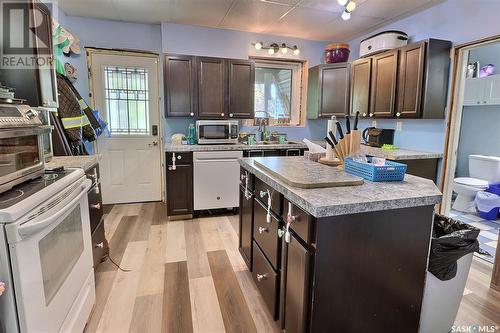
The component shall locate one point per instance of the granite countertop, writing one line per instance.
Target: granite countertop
(333, 201)
(81, 162)
(237, 146)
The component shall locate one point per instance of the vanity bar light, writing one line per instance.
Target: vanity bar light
(349, 7)
(275, 48)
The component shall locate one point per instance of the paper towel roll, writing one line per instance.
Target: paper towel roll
(330, 153)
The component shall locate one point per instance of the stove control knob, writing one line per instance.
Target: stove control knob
(30, 114)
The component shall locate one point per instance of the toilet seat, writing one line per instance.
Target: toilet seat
(472, 182)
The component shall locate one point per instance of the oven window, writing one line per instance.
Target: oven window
(18, 153)
(59, 252)
(214, 131)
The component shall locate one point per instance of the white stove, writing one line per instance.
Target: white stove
(46, 255)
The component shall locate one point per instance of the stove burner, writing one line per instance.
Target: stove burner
(11, 195)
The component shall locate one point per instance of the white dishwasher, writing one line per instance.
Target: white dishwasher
(216, 179)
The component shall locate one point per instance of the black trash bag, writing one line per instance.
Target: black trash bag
(451, 240)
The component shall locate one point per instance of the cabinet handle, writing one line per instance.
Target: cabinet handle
(262, 194)
(371, 114)
(262, 230)
(364, 114)
(96, 206)
(100, 245)
(192, 114)
(281, 232)
(231, 115)
(398, 114)
(261, 277)
(222, 114)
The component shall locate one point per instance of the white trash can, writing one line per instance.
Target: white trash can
(442, 299)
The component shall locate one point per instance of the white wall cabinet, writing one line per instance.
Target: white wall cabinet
(482, 91)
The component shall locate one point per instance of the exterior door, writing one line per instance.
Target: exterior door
(125, 91)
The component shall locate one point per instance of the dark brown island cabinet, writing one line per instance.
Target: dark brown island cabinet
(360, 272)
(208, 87)
(407, 82)
(179, 182)
(328, 90)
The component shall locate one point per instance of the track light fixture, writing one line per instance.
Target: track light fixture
(275, 48)
(349, 7)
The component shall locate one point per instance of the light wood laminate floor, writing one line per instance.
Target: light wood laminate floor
(188, 276)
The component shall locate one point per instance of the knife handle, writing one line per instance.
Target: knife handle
(332, 136)
(347, 124)
(339, 129)
(356, 119)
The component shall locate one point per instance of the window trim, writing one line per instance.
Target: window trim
(299, 89)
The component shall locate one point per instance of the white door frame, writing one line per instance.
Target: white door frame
(90, 51)
(460, 56)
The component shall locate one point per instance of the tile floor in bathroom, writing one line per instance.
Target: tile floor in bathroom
(488, 237)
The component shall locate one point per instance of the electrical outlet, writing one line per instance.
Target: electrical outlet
(374, 123)
(399, 125)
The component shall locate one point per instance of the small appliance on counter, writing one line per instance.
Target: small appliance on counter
(21, 145)
(377, 137)
(217, 131)
(383, 41)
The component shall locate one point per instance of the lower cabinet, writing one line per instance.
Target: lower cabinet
(179, 183)
(295, 286)
(246, 226)
(266, 280)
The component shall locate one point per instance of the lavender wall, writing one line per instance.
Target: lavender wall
(457, 20)
(186, 39)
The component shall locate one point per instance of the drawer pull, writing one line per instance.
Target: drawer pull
(96, 206)
(281, 232)
(261, 277)
(262, 194)
(262, 230)
(100, 245)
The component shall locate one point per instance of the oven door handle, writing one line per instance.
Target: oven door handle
(32, 228)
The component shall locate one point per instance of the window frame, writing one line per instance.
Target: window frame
(298, 93)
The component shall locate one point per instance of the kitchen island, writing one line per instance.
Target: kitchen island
(355, 257)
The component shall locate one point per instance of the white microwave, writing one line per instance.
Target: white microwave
(217, 131)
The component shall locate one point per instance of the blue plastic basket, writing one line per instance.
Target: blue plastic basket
(390, 172)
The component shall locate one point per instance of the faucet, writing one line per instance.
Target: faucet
(262, 129)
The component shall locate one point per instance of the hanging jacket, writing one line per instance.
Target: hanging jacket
(75, 121)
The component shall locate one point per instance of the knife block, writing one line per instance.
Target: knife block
(355, 144)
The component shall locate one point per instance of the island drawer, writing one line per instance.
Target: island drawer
(302, 223)
(261, 193)
(265, 279)
(244, 174)
(266, 234)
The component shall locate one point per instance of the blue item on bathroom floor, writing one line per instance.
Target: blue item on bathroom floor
(390, 172)
(487, 204)
(494, 188)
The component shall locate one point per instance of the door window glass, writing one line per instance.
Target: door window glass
(127, 100)
(59, 251)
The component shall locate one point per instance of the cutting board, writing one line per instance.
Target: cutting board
(302, 173)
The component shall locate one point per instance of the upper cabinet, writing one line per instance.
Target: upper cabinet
(409, 82)
(180, 76)
(360, 86)
(383, 84)
(328, 91)
(482, 91)
(36, 84)
(208, 87)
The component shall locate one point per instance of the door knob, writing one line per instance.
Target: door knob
(154, 143)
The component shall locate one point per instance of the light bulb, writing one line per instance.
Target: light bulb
(346, 15)
(284, 49)
(350, 6)
(258, 45)
(342, 2)
(296, 50)
(270, 51)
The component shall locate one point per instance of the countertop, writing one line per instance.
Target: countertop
(333, 201)
(81, 162)
(399, 154)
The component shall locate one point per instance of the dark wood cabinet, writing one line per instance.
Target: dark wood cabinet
(266, 279)
(411, 71)
(241, 80)
(328, 91)
(208, 87)
(180, 76)
(246, 226)
(383, 84)
(212, 77)
(36, 84)
(179, 182)
(296, 287)
(360, 86)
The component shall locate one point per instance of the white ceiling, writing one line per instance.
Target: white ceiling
(308, 19)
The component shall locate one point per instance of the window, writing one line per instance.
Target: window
(278, 92)
(127, 100)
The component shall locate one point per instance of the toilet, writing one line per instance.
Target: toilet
(483, 170)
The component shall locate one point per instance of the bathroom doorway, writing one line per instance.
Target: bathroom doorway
(472, 162)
